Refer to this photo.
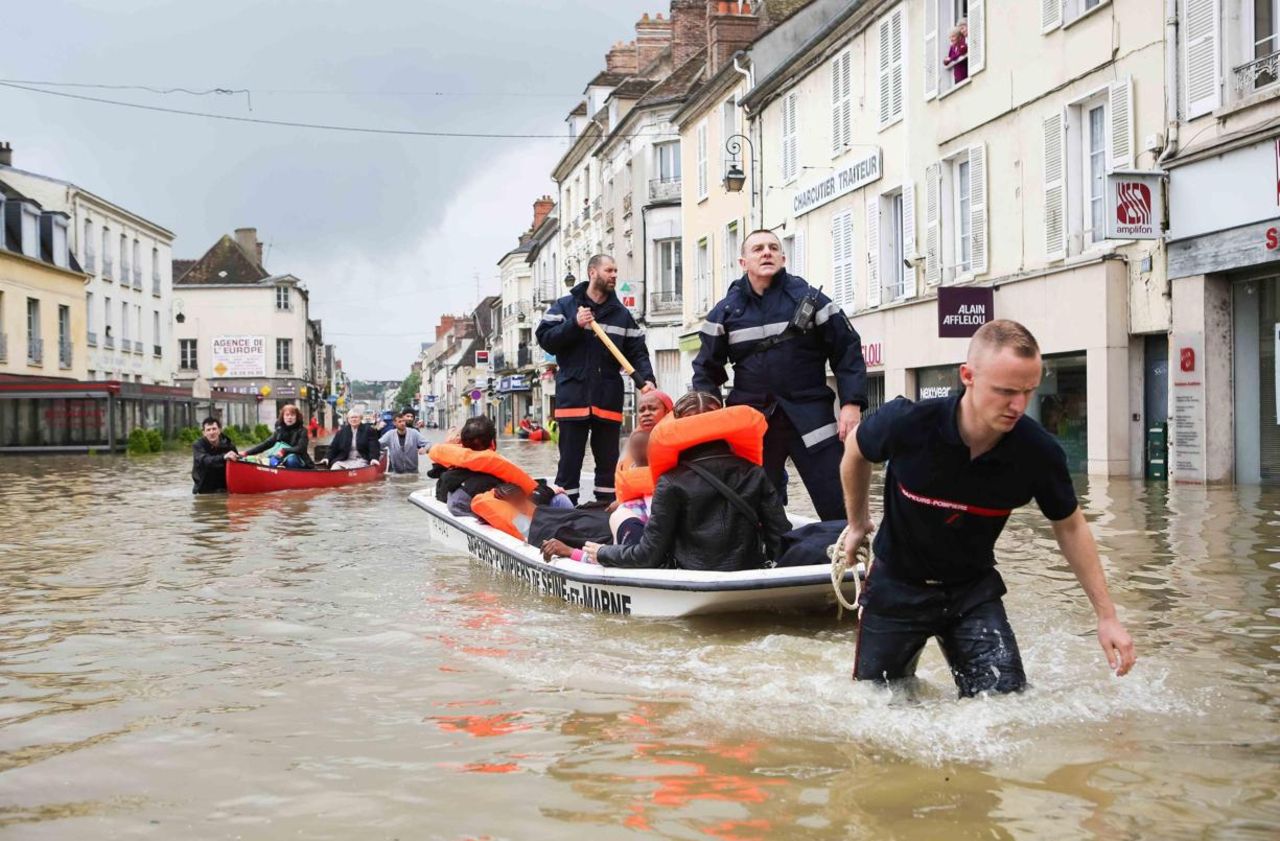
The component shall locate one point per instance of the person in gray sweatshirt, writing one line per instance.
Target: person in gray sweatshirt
(402, 444)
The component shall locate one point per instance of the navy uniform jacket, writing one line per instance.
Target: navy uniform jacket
(588, 382)
(791, 375)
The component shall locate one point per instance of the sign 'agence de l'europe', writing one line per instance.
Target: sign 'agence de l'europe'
(847, 178)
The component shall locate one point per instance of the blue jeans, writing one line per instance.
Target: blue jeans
(294, 460)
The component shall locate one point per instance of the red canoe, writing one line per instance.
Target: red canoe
(246, 478)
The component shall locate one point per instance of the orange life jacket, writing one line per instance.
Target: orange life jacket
(481, 461)
(632, 482)
(742, 427)
(502, 515)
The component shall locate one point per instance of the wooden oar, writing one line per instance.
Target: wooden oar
(627, 367)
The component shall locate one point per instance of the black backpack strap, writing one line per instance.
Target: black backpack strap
(765, 344)
(737, 501)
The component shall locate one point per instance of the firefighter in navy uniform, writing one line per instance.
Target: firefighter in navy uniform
(588, 386)
(779, 333)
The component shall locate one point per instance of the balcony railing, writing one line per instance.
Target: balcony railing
(665, 301)
(157, 351)
(523, 356)
(4, 347)
(1257, 74)
(155, 284)
(93, 339)
(64, 355)
(109, 342)
(626, 205)
(137, 278)
(90, 259)
(35, 351)
(608, 219)
(499, 361)
(595, 206)
(106, 268)
(664, 189)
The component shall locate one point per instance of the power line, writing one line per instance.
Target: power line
(156, 89)
(316, 126)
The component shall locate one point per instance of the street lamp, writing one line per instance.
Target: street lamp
(569, 279)
(735, 178)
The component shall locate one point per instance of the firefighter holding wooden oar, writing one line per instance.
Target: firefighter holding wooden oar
(595, 340)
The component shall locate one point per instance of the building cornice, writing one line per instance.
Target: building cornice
(67, 274)
(577, 151)
(76, 191)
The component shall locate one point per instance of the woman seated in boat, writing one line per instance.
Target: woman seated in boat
(354, 446)
(471, 467)
(713, 508)
(289, 440)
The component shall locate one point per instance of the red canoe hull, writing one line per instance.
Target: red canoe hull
(246, 478)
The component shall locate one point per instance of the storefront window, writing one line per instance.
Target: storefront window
(875, 394)
(1061, 406)
(1269, 381)
(940, 381)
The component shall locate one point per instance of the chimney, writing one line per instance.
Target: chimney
(730, 27)
(6, 154)
(622, 59)
(247, 239)
(540, 210)
(653, 35)
(688, 30)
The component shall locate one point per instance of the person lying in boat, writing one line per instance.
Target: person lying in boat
(630, 511)
(291, 433)
(713, 508)
(354, 446)
(467, 469)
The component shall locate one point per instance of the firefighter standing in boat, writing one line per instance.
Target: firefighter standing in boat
(588, 386)
(780, 333)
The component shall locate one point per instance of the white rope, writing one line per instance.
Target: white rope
(840, 565)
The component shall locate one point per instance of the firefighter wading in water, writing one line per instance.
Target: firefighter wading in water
(780, 333)
(588, 385)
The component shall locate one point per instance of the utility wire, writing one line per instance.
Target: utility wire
(300, 91)
(316, 126)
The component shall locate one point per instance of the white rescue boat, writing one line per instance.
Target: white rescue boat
(634, 592)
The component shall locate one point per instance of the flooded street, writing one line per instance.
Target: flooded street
(306, 665)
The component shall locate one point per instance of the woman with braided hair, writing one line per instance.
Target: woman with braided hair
(713, 507)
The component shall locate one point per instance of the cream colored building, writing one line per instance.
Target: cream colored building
(42, 315)
(128, 298)
(890, 181)
(1224, 241)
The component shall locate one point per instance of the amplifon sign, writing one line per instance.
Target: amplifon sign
(849, 177)
(1135, 205)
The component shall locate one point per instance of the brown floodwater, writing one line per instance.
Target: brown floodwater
(308, 665)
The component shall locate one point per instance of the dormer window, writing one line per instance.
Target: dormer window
(283, 301)
(30, 229)
(58, 240)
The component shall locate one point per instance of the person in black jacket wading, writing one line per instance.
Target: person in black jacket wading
(588, 386)
(780, 333)
(209, 456)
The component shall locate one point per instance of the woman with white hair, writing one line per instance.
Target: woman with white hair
(355, 445)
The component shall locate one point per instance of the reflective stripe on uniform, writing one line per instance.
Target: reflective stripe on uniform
(825, 313)
(553, 317)
(713, 328)
(605, 414)
(581, 412)
(820, 434)
(621, 331)
(752, 334)
(601, 490)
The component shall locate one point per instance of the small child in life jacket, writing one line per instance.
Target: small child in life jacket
(635, 489)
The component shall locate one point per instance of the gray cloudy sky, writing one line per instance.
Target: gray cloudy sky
(387, 232)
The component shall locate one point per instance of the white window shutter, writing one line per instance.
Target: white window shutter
(932, 57)
(797, 260)
(873, 251)
(702, 159)
(836, 143)
(1050, 15)
(846, 107)
(932, 224)
(839, 292)
(908, 238)
(898, 81)
(790, 151)
(1055, 188)
(1200, 56)
(850, 280)
(1121, 110)
(977, 35)
(886, 70)
(978, 207)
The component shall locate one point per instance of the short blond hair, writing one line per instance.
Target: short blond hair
(1005, 333)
